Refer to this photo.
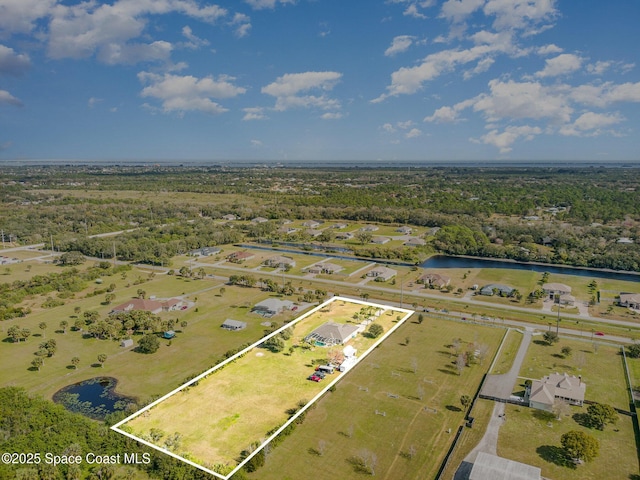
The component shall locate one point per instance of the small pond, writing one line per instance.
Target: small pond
(94, 398)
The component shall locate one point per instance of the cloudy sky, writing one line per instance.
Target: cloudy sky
(372, 80)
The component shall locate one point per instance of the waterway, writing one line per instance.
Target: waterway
(447, 261)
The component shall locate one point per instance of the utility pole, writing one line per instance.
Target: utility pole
(558, 320)
(2, 238)
(51, 235)
(114, 253)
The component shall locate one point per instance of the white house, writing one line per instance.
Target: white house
(630, 300)
(332, 333)
(272, 306)
(233, 325)
(382, 272)
(543, 393)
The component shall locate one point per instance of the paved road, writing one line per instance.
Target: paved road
(501, 386)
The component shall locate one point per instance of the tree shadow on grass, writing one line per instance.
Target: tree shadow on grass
(453, 408)
(450, 372)
(358, 465)
(544, 416)
(583, 419)
(556, 455)
(541, 342)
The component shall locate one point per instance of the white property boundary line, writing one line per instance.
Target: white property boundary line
(117, 428)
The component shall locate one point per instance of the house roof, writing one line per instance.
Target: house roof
(241, 255)
(557, 287)
(503, 288)
(331, 267)
(557, 385)
(281, 259)
(138, 304)
(382, 271)
(233, 323)
(630, 297)
(331, 332)
(492, 467)
(273, 304)
(415, 241)
(435, 278)
(172, 302)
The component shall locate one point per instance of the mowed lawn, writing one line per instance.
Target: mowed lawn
(239, 404)
(384, 408)
(600, 366)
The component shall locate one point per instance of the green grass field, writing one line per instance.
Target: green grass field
(344, 423)
(251, 396)
(507, 354)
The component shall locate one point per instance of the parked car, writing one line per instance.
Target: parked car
(314, 378)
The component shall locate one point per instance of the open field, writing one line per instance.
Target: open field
(507, 353)
(531, 437)
(602, 371)
(195, 348)
(344, 424)
(253, 395)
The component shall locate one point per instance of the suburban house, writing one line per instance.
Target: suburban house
(404, 230)
(233, 325)
(239, 257)
(492, 467)
(496, 288)
(340, 225)
(344, 236)
(331, 333)
(434, 280)
(325, 267)
(415, 242)
(553, 289)
(280, 261)
(148, 305)
(313, 232)
(383, 273)
(259, 220)
(380, 240)
(229, 217)
(311, 224)
(625, 240)
(543, 393)
(272, 306)
(370, 228)
(432, 231)
(204, 251)
(630, 300)
(287, 230)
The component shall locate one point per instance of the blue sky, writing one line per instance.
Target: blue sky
(429, 80)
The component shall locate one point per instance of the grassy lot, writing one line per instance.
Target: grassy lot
(602, 371)
(252, 395)
(508, 353)
(540, 445)
(344, 423)
(195, 349)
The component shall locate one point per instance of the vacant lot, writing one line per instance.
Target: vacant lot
(251, 396)
(397, 406)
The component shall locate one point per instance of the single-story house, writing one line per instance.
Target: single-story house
(280, 261)
(239, 257)
(313, 232)
(126, 343)
(287, 230)
(325, 267)
(370, 228)
(631, 300)
(204, 251)
(415, 242)
(493, 288)
(553, 289)
(380, 240)
(311, 224)
(230, 217)
(332, 333)
(147, 305)
(344, 236)
(271, 306)
(625, 240)
(404, 230)
(340, 225)
(432, 231)
(382, 272)
(492, 467)
(543, 393)
(233, 325)
(172, 304)
(434, 280)
(567, 299)
(259, 220)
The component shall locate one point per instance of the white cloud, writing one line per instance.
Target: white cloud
(187, 93)
(591, 123)
(262, 4)
(110, 30)
(93, 101)
(331, 116)
(413, 133)
(504, 140)
(254, 113)
(443, 115)
(412, 11)
(12, 63)
(605, 94)
(520, 14)
(288, 89)
(399, 44)
(548, 49)
(20, 16)
(242, 24)
(560, 65)
(6, 97)
(458, 10)
(387, 127)
(256, 143)
(482, 66)
(194, 42)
